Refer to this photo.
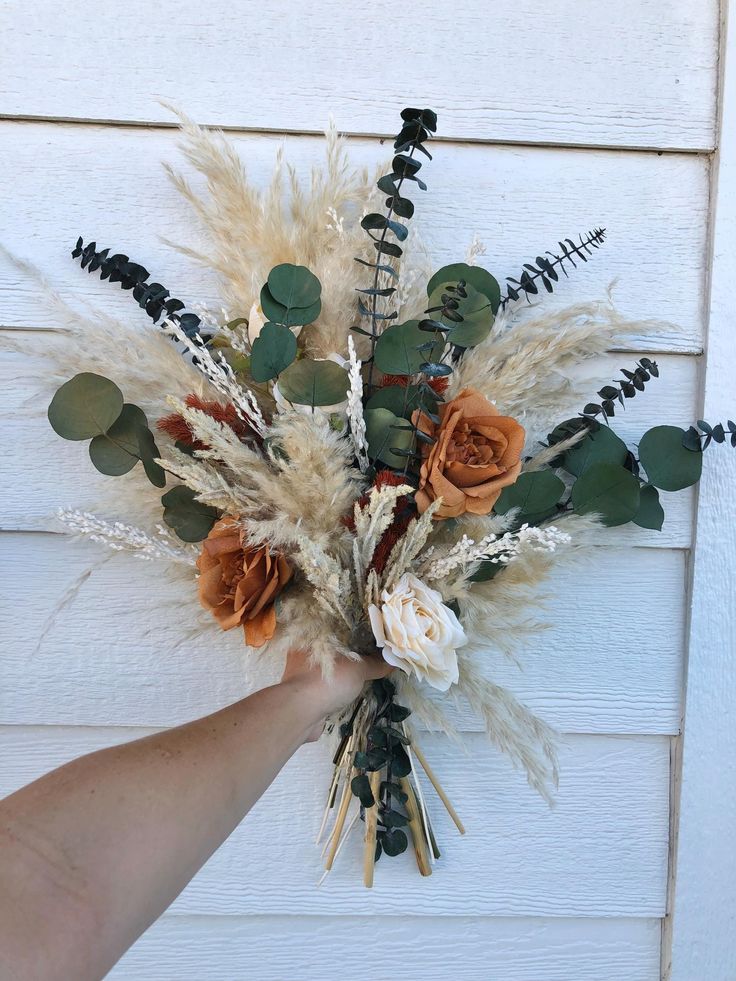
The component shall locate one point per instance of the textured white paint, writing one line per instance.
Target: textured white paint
(119, 651)
(58, 182)
(630, 73)
(433, 948)
(704, 942)
(601, 851)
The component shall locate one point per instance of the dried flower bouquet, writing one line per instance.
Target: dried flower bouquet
(361, 457)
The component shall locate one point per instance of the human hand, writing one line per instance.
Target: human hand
(325, 697)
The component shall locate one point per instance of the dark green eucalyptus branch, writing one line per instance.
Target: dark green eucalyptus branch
(418, 126)
(622, 388)
(545, 269)
(700, 440)
(154, 298)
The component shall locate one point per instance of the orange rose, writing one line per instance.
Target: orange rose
(239, 583)
(476, 454)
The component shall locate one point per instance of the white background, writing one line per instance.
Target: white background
(552, 120)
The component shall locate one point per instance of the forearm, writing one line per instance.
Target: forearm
(94, 852)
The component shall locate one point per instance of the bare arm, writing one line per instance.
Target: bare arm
(92, 853)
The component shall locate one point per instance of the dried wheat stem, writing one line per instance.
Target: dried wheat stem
(415, 826)
(341, 843)
(334, 839)
(438, 787)
(371, 821)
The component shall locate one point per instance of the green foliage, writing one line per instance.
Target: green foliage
(384, 230)
(601, 446)
(126, 442)
(477, 277)
(650, 513)
(535, 494)
(394, 842)
(314, 383)
(465, 312)
(403, 400)
(91, 406)
(390, 438)
(694, 440)
(85, 406)
(622, 388)
(291, 296)
(154, 298)
(361, 788)
(273, 350)
(544, 270)
(669, 464)
(188, 517)
(608, 490)
(398, 351)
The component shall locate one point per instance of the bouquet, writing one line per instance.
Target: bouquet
(360, 454)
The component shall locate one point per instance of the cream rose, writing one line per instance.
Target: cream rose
(418, 632)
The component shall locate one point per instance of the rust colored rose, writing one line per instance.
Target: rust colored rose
(476, 454)
(238, 583)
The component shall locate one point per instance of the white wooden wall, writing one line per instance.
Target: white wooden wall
(552, 119)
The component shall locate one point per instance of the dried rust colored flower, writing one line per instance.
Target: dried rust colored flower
(176, 426)
(238, 583)
(476, 453)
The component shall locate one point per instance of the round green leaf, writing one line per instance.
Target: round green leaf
(85, 406)
(273, 350)
(535, 494)
(477, 277)
(669, 465)
(293, 286)
(189, 518)
(650, 513)
(476, 313)
(601, 446)
(382, 437)
(397, 351)
(308, 382)
(609, 490)
(149, 454)
(401, 400)
(117, 451)
(394, 842)
(288, 316)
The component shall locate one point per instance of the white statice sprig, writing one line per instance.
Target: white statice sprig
(222, 377)
(467, 554)
(355, 416)
(127, 538)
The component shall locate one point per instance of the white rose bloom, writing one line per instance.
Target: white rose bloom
(339, 409)
(418, 632)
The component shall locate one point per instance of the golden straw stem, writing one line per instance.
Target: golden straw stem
(438, 787)
(371, 821)
(340, 820)
(415, 826)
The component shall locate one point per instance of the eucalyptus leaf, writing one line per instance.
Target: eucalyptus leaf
(293, 286)
(188, 517)
(476, 312)
(650, 513)
(669, 465)
(383, 437)
(609, 490)
(117, 451)
(397, 349)
(314, 383)
(477, 277)
(535, 494)
(394, 842)
(601, 446)
(401, 400)
(361, 787)
(273, 350)
(288, 316)
(85, 406)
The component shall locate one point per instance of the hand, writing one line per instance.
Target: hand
(327, 696)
